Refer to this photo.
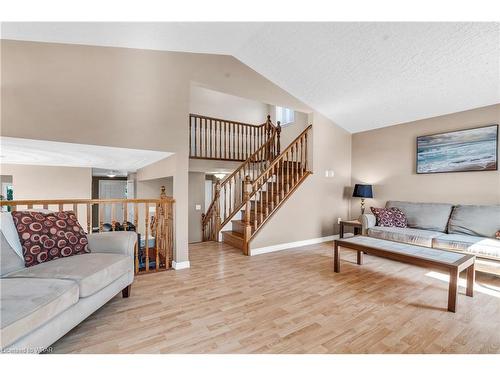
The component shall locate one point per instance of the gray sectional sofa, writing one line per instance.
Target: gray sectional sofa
(40, 304)
(461, 228)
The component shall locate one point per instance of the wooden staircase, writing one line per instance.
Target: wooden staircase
(258, 187)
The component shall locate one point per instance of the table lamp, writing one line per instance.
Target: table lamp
(362, 191)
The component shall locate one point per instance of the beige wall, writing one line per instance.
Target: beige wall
(217, 104)
(386, 158)
(44, 182)
(196, 196)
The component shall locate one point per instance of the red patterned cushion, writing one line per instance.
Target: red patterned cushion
(48, 236)
(390, 217)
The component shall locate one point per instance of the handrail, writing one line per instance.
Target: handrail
(52, 202)
(226, 120)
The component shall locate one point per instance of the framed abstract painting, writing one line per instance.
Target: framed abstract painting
(459, 151)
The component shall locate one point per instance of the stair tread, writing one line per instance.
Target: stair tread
(234, 234)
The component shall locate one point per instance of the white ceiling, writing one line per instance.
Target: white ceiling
(36, 152)
(360, 75)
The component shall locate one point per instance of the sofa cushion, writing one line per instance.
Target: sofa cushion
(9, 260)
(482, 221)
(480, 246)
(428, 216)
(92, 271)
(412, 236)
(26, 304)
(49, 236)
(9, 230)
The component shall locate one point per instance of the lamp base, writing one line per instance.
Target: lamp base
(362, 206)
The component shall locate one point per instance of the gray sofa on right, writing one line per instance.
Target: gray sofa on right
(460, 228)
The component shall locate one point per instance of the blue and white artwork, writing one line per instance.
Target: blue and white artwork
(459, 151)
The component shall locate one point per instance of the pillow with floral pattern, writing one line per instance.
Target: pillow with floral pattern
(389, 217)
(47, 236)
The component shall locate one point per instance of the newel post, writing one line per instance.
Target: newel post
(278, 132)
(268, 136)
(218, 220)
(247, 231)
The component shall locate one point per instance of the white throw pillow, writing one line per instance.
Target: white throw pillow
(9, 230)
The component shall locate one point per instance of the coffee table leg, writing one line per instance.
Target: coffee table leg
(453, 290)
(360, 257)
(336, 257)
(471, 276)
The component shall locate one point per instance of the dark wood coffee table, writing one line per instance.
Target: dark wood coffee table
(448, 261)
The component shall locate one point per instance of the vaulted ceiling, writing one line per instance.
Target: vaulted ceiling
(360, 75)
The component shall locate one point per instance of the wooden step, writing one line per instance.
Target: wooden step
(239, 226)
(234, 239)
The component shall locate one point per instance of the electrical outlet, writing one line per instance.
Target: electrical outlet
(339, 220)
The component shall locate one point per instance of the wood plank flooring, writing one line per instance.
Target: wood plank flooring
(291, 302)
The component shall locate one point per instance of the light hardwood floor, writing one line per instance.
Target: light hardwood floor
(291, 302)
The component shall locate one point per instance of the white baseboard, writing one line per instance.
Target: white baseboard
(181, 265)
(291, 245)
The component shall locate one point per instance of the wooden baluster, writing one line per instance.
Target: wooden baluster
(125, 215)
(190, 134)
(195, 136)
(234, 140)
(205, 148)
(281, 178)
(278, 144)
(225, 202)
(137, 244)
(113, 217)
(247, 232)
(211, 138)
(30, 206)
(305, 151)
(157, 236)
(225, 140)
(89, 218)
(217, 226)
(61, 207)
(146, 236)
(220, 139)
(101, 216)
(45, 206)
(259, 186)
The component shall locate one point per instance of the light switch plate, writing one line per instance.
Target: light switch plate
(197, 207)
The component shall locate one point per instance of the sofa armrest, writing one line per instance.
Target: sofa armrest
(367, 221)
(113, 242)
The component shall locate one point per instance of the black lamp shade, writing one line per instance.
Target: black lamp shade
(362, 191)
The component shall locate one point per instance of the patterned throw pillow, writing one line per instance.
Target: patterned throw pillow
(399, 218)
(497, 235)
(390, 217)
(48, 236)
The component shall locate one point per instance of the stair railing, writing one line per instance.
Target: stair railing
(265, 193)
(219, 139)
(229, 195)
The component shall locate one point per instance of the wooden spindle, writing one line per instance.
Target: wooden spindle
(137, 244)
(146, 237)
(101, 215)
(125, 215)
(113, 217)
(89, 218)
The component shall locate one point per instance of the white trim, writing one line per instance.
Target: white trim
(291, 245)
(181, 265)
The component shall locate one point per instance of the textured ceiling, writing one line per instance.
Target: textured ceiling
(360, 75)
(36, 152)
